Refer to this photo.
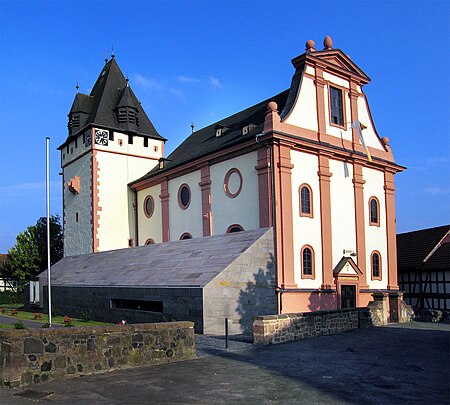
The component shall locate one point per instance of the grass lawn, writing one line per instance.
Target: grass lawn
(6, 326)
(29, 316)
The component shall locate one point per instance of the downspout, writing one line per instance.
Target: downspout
(279, 290)
(136, 230)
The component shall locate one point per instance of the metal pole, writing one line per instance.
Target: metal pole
(47, 139)
(226, 333)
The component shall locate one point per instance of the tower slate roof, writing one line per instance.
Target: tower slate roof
(99, 107)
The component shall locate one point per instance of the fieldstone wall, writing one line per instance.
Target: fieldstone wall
(432, 315)
(274, 329)
(33, 356)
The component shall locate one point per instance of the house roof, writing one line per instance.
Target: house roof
(204, 141)
(185, 263)
(426, 249)
(110, 90)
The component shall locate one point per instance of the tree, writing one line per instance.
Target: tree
(28, 257)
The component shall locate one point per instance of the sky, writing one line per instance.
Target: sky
(200, 61)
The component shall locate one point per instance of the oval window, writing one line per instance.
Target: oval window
(149, 206)
(232, 183)
(184, 196)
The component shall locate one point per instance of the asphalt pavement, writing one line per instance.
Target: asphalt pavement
(395, 364)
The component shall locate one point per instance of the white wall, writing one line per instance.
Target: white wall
(304, 112)
(342, 209)
(307, 231)
(190, 219)
(370, 137)
(375, 235)
(149, 227)
(115, 170)
(243, 209)
(78, 235)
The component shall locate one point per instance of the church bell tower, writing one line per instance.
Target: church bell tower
(111, 142)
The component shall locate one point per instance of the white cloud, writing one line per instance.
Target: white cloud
(437, 190)
(148, 84)
(187, 79)
(214, 82)
(177, 93)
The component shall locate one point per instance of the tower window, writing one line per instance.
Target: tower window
(76, 217)
(337, 109)
(130, 139)
(145, 142)
(307, 260)
(376, 265)
(374, 211)
(306, 209)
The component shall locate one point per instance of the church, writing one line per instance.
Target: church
(300, 185)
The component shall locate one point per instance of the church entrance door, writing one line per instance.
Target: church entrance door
(348, 296)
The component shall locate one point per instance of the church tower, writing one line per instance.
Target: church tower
(111, 142)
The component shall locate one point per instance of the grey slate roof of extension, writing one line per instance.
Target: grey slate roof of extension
(185, 263)
(104, 98)
(204, 141)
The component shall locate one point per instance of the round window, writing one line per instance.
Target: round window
(186, 236)
(150, 242)
(149, 206)
(184, 196)
(232, 184)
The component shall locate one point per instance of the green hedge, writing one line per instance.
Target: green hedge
(10, 297)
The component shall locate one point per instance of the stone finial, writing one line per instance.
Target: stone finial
(310, 45)
(385, 140)
(328, 42)
(272, 106)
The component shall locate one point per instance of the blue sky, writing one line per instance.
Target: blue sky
(201, 61)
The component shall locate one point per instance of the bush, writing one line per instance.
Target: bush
(11, 297)
(19, 325)
(46, 325)
(68, 321)
(86, 316)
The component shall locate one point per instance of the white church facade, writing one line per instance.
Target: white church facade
(307, 162)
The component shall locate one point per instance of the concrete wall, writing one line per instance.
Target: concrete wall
(246, 288)
(179, 304)
(33, 356)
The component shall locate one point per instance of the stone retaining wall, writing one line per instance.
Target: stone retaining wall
(33, 356)
(272, 329)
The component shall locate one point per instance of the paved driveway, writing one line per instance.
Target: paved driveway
(406, 364)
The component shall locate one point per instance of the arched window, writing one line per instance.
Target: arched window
(307, 258)
(305, 196)
(376, 265)
(149, 241)
(186, 236)
(149, 206)
(234, 228)
(184, 196)
(374, 211)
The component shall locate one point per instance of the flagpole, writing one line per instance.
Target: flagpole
(47, 139)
